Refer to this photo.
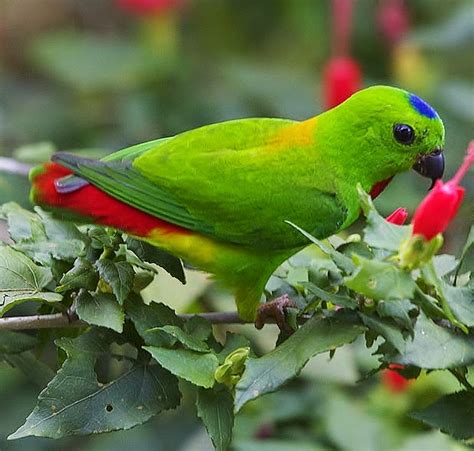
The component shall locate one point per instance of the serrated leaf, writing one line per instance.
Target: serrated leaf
(100, 309)
(386, 329)
(151, 254)
(380, 280)
(119, 275)
(40, 237)
(195, 367)
(453, 414)
(215, 407)
(397, 310)
(343, 301)
(18, 271)
(22, 280)
(59, 230)
(146, 317)
(81, 275)
(22, 224)
(269, 372)
(187, 340)
(199, 327)
(74, 402)
(12, 342)
(436, 347)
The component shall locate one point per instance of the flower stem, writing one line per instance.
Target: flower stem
(466, 164)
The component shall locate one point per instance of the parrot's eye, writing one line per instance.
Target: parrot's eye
(404, 134)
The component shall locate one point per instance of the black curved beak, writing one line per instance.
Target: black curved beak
(431, 165)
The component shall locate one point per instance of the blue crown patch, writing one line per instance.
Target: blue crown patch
(422, 107)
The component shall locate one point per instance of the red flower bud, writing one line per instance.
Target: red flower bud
(393, 380)
(440, 206)
(148, 7)
(341, 78)
(393, 20)
(398, 217)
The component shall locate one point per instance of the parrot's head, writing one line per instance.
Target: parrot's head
(400, 130)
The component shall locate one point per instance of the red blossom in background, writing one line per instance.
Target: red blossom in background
(149, 7)
(393, 20)
(398, 217)
(342, 76)
(440, 206)
(393, 380)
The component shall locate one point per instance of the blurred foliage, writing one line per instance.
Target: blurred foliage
(84, 74)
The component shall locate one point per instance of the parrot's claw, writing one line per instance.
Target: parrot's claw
(275, 309)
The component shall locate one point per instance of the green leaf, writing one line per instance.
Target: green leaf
(269, 372)
(378, 232)
(15, 342)
(453, 414)
(100, 309)
(336, 299)
(37, 372)
(444, 264)
(146, 317)
(436, 347)
(380, 280)
(397, 310)
(192, 366)
(82, 275)
(461, 302)
(215, 407)
(21, 280)
(22, 224)
(187, 340)
(151, 254)
(40, 237)
(74, 402)
(387, 329)
(343, 262)
(119, 275)
(199, 327)
(59, 230)
(467, 246)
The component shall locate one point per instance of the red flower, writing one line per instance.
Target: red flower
(393, 380)
(148, 7)
(398, 217)
(393, 20)
(342, 78)
(440, 206)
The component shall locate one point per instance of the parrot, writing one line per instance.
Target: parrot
(222, 196)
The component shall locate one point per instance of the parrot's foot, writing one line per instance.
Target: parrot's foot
(275, 309)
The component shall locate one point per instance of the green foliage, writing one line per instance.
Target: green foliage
(124, 367)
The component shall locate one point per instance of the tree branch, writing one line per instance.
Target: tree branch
(14, 167)
(70, 319)
(58, 320)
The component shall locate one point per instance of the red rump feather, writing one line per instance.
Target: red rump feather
(95, 204)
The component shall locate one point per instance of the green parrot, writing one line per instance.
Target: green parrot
(220, 197)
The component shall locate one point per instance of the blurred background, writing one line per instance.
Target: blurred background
(97, 75)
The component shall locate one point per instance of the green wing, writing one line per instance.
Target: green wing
(226, 180)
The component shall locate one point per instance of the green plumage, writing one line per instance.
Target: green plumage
(235, 184)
